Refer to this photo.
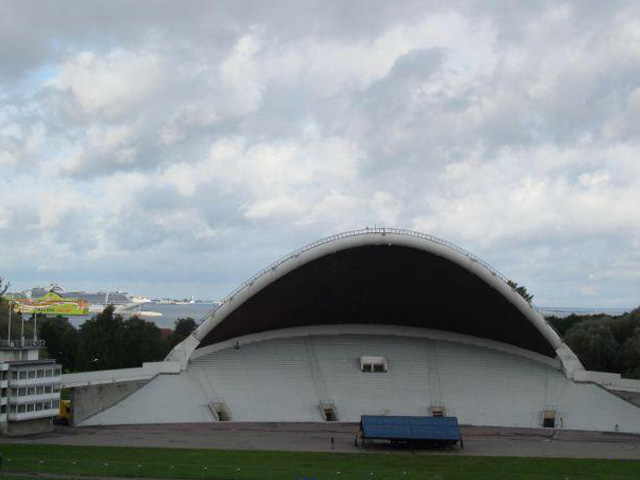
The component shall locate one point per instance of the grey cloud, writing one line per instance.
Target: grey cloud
(101, 25)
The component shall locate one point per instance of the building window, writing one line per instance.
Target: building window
(49, 372)
(3, 393)
(22, 408)
(40, 374)
(30, 407)
(56, 388)
(47, 405)
(22, 392)
(47, 389)
(549, 418)
(32, 374)
(57, 372)
(39, 390)
(14, 375)
(23, 375)
(373, 364)
(12, 409)
(31, 391)
(3, 409)
(56, 404)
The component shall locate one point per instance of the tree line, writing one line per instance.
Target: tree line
(107, 341)
(602, 342)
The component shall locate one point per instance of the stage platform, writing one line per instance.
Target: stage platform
(423, 431)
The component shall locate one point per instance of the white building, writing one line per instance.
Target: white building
(377, 321)
(29, 388)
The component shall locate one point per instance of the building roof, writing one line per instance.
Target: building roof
(379, 277)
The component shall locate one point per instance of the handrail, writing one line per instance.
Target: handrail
(21, 343)
(354, 233)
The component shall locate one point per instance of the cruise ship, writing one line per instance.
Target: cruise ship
(123, 302)
(116, 298)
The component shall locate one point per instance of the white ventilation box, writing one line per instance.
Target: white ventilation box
(373, 364)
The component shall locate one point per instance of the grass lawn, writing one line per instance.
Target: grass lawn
(252, 465)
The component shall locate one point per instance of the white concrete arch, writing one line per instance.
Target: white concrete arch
(366, 237)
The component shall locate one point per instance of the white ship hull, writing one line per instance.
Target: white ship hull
(127, 309)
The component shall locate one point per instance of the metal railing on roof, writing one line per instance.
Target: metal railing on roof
(354, 233)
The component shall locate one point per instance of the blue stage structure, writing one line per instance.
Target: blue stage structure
(436, 431)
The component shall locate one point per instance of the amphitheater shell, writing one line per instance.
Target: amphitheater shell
(375, 321)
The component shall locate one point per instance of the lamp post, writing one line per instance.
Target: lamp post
(9, 327)
(22, 330)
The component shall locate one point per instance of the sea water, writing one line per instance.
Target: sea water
(170, 313)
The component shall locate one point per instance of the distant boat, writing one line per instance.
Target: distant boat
(136, 309)
(184, 302)
(140, 300)
(148, 313)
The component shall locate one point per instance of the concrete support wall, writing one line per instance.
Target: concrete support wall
(92, 399)
(167, 398)
(29, 427)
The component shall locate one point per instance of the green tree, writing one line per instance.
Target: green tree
(3, 288)
(627, 330)
(102, 342)
(595, 345)
(62, 341)
(143, 342)
(564, 324)
(521, 290)
(183, 328)
(604, 342)
(4, 309)
(630, 357)
(622, 327)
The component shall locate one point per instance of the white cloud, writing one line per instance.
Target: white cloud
(387, 208)
(110, 84)
(241, 76)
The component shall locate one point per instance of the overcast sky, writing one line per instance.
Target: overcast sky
(176, 148)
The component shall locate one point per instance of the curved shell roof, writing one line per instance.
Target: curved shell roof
(380, 276)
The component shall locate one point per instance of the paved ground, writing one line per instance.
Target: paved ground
(317, 437)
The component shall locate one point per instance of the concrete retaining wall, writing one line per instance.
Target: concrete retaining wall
(92, 399)
(29, 427)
